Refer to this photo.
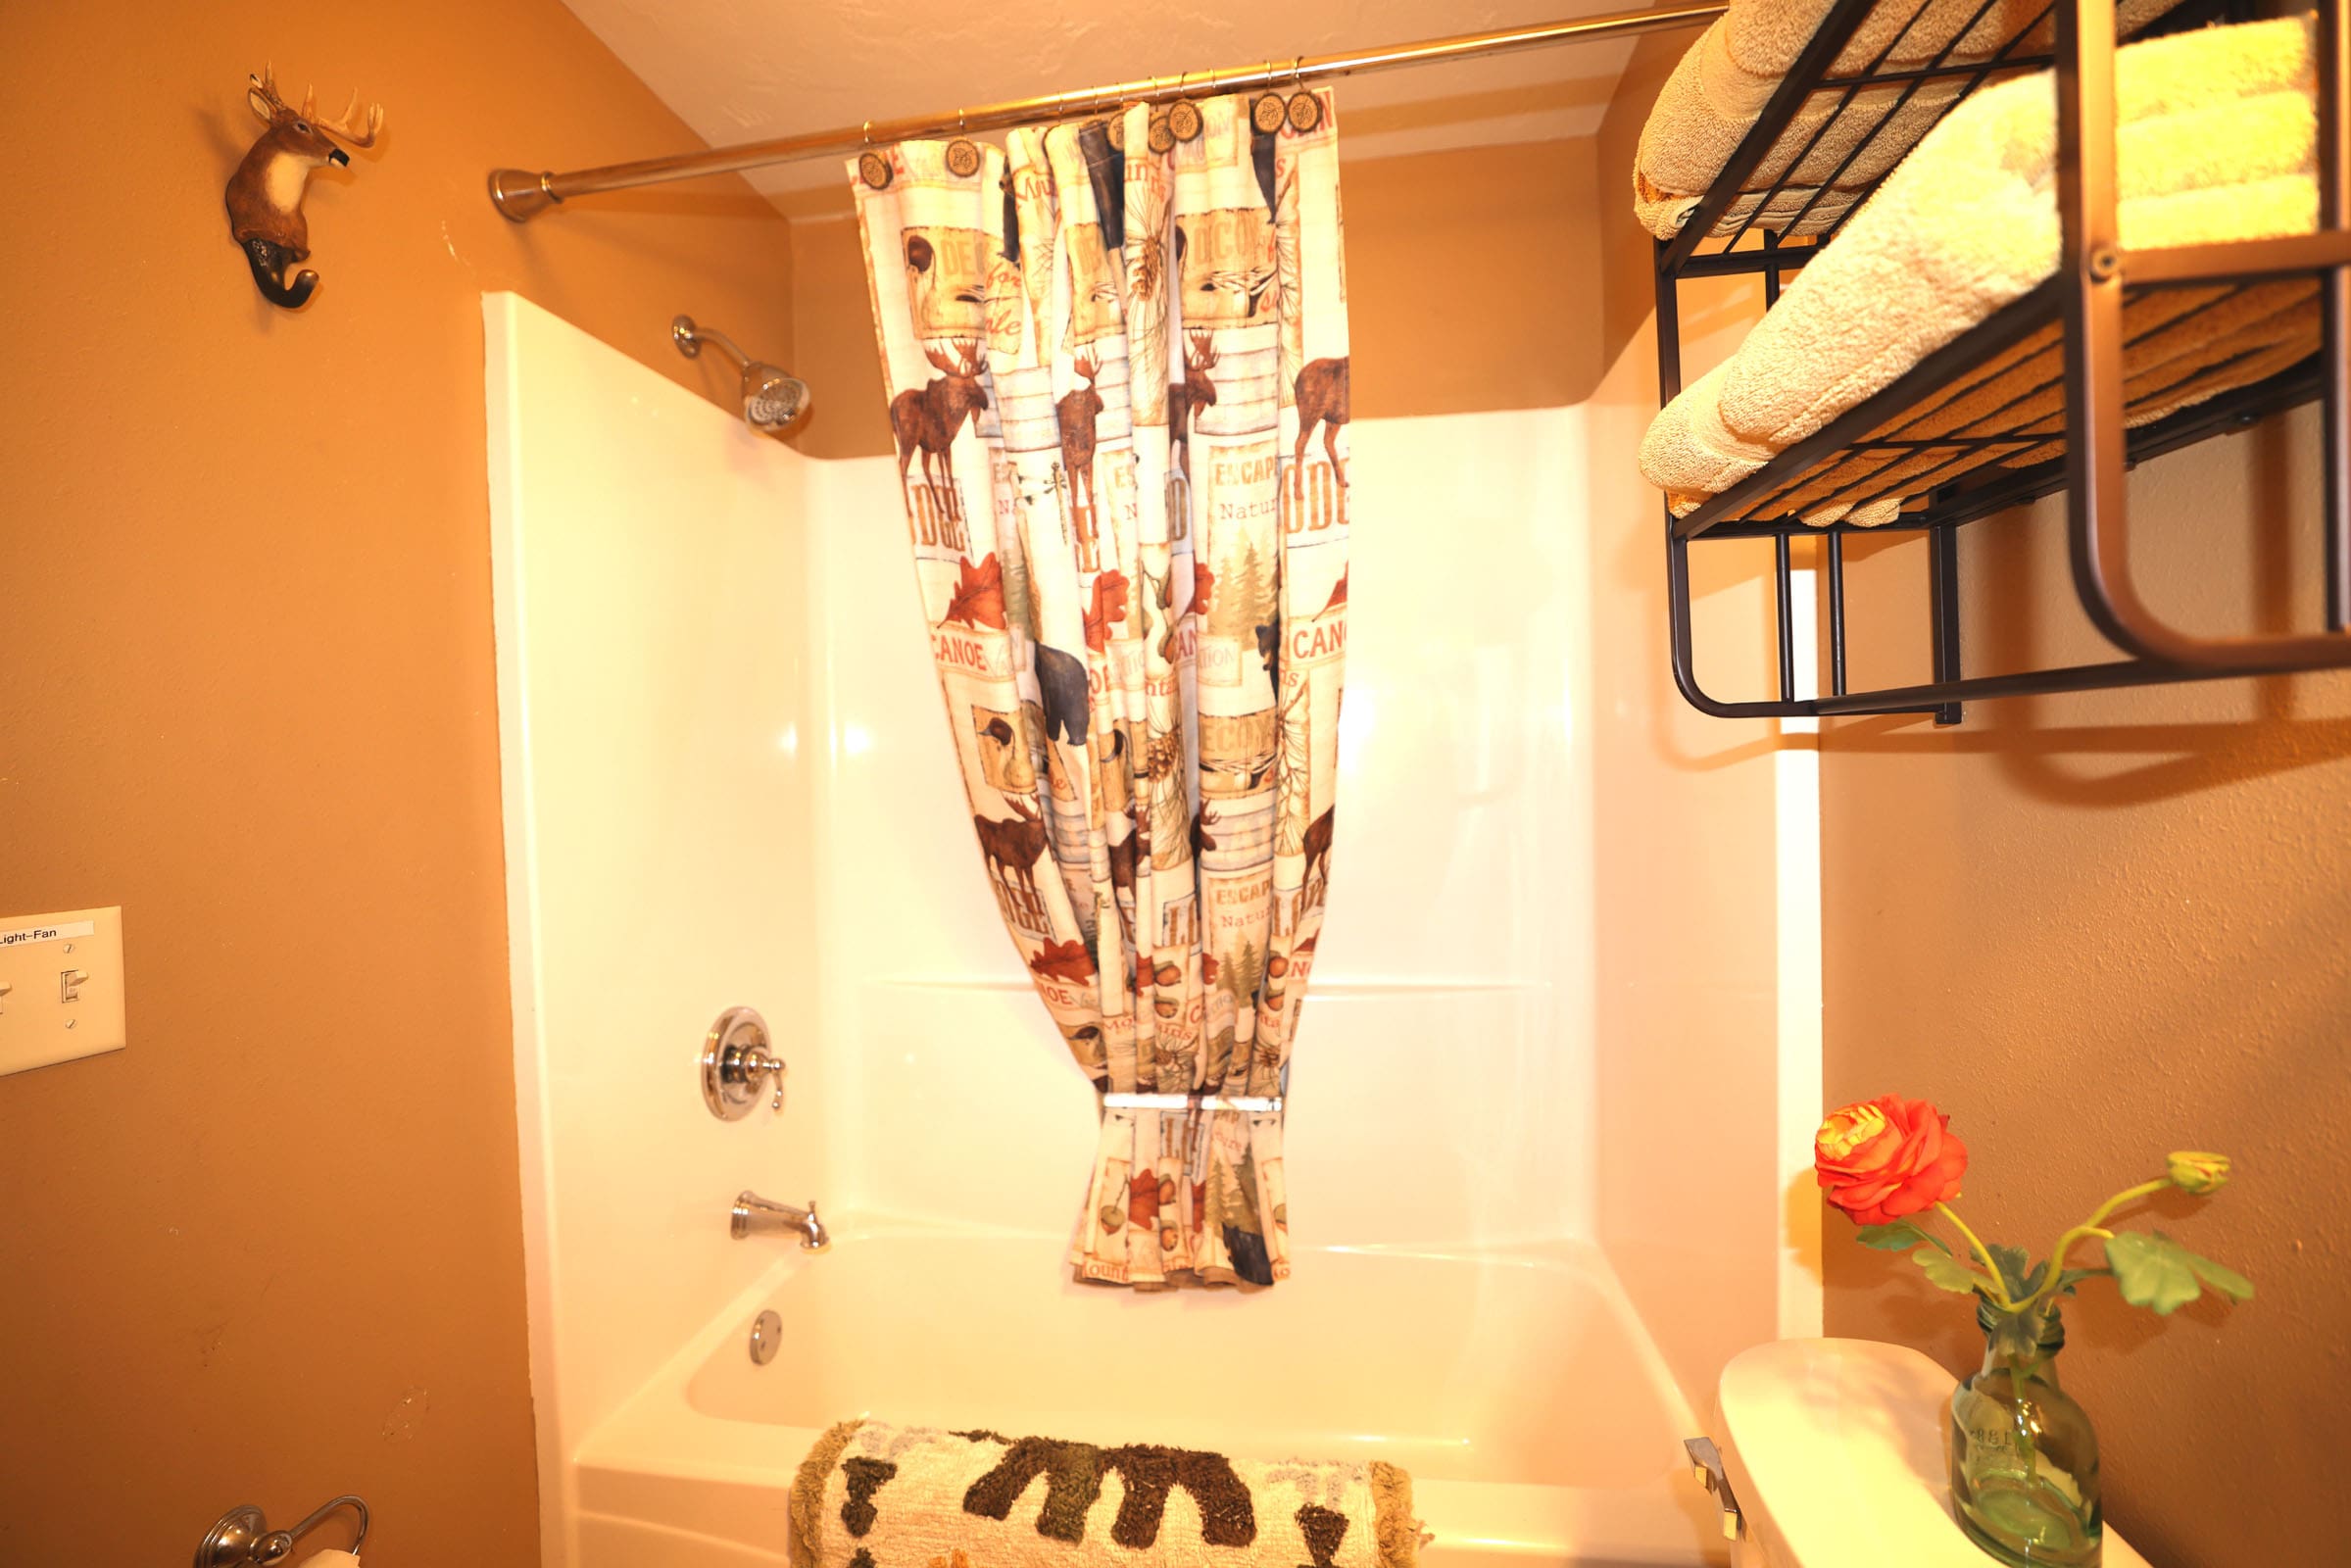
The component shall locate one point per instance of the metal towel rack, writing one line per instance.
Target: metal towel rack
(2085, 301)
(243, 1536)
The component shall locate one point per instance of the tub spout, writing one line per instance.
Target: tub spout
(752, 1214)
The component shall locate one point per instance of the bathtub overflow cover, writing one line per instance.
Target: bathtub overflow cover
(767, 1333)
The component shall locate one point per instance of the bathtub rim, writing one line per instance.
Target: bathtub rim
(643, 1464)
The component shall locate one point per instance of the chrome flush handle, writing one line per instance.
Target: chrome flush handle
(1706, 1464)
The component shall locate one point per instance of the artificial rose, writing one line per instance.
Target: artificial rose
(2194, 1170)
(1886, 1158)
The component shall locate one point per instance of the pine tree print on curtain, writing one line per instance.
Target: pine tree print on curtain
(1119, 388)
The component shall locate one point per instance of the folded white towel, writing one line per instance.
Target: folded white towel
(2215, 140)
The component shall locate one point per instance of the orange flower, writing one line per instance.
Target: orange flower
(1886, 1158)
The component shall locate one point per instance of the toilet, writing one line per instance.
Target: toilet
(1830, 1453)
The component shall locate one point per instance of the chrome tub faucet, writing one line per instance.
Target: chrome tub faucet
(753, 1213)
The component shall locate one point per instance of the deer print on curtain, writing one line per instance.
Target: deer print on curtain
(1119, 385)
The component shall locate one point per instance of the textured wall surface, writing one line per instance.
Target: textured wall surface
(1685, 962)
(1627, 252)
(273, 1252)
(2100, 928)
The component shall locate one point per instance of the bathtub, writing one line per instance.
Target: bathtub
(1517, 1386)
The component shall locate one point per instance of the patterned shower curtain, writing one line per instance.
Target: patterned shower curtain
(1117, 360)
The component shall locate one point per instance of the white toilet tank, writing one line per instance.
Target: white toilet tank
(1834, 1456)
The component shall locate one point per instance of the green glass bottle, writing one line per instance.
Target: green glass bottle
(2024, 1456)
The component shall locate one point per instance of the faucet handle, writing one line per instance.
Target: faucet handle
(737, 1065)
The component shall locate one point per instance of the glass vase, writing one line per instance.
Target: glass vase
(2024, 1456)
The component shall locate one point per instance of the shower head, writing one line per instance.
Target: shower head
(772, 399)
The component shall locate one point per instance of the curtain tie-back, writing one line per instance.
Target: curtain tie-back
(1117, 1102)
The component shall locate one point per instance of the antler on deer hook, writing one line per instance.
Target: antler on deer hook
(265, 195)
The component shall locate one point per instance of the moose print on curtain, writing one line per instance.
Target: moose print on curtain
(1119, 385)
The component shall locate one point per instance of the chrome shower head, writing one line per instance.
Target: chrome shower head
(773, 400)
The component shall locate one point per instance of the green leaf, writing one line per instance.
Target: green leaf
(1946, 1272)
(1898, 1235)
(2227, 1281)
(2016, 1270)
(2155, 1272)
(2075, 1276)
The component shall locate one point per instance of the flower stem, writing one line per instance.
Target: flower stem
(2091, 1226)
(1999, 1287)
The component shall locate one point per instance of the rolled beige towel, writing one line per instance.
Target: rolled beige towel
(2215, 140)
(1721, 84)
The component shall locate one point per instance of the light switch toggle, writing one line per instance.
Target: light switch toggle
(69, 983)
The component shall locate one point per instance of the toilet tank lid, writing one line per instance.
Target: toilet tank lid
(1836, 1452)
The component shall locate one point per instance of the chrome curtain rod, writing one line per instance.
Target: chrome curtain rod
(522, 195)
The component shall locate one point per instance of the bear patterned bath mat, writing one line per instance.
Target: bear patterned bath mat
(875, 1496)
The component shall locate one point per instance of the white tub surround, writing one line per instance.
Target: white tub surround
(730, 779)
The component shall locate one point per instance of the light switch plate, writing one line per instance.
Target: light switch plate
(63, 975)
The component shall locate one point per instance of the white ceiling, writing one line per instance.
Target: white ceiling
(748, 69)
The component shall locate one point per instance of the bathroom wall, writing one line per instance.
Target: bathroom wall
(1471, 280)
(653, 664)
(2094, 928)
(273, 1252)
(1627, 252)
(2097, 928)
(1707, 882)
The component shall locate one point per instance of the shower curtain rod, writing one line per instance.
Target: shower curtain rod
(522, 195)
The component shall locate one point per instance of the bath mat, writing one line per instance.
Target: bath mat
(875, 1496)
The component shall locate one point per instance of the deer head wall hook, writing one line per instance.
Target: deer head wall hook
(265, 194)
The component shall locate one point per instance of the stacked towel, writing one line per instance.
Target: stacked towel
(2215, 140)
(1721, 85)
(872, 1494)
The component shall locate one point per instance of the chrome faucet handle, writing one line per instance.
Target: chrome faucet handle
(737, 1066)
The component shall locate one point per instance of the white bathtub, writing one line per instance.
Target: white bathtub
(1516, 1387)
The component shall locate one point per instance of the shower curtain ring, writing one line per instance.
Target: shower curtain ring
(963, 158)
(1269, 110)
(1158, 136)
(1304, 111)
(873, 168)
(1183, 116)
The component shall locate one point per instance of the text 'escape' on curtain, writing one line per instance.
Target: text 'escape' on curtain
(1118, 361)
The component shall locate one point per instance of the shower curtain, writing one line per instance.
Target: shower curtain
(1117, 361)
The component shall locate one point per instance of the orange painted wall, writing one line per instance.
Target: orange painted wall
(2097, 928)
(273, 1250)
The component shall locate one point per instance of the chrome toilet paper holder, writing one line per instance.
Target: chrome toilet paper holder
(243, 1536)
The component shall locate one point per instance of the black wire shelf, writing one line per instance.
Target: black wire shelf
(2053, 360)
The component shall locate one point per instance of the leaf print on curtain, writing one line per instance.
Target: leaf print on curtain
(1119, 388)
